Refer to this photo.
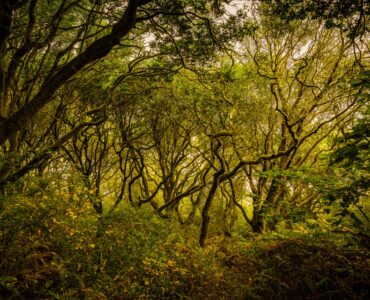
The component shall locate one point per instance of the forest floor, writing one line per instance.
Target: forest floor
(50, 254)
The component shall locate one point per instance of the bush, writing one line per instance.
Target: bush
(50, 250)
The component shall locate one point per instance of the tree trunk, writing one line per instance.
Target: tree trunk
(258, 223)
(97, 204)
(205, 211)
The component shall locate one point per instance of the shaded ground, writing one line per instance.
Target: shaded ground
(53, 253)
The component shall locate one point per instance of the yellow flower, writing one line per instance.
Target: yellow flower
(170, 263)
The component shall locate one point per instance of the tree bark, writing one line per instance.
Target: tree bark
(258, 222)
(205, 211)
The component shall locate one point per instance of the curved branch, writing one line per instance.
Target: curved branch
(98, 49)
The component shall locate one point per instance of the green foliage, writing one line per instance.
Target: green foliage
(348, 188)
(113, 210)
(347, 14)
(306, 267)
(352, 154)
(50, 250)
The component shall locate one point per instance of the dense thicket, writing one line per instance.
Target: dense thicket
(146, 146)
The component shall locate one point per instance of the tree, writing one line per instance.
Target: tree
(45, 47)
(281, 111)
(350, 15)
(349, 183)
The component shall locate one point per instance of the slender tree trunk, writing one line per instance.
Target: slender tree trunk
(205, 211)
(96, 202)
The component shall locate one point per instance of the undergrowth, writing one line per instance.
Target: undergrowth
(50, 250)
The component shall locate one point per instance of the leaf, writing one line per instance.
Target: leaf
(356, 219)
(48, 284)
(321, 282)
(309, 282)
(7, 278)
(170, 263)
(8, 282)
